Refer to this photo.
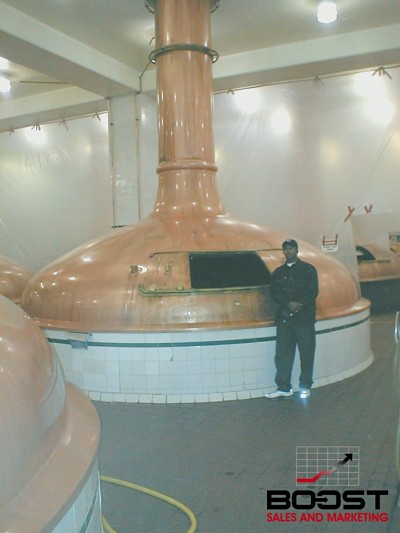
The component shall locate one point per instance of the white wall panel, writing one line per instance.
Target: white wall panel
(55, 189)
(297, 156)
(123, 150)
(148, 142)
(340, 150)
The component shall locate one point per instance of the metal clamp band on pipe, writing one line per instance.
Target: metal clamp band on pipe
(150, 5)
(183, 46)
(167, 166)
(396, 328)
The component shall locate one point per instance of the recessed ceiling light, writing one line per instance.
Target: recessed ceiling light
(327, 11)
(4, 63)
(5, 85)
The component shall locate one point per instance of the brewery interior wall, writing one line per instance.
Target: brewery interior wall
(289, 157)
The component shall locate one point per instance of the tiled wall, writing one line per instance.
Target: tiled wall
(84, 516)
(203, 366)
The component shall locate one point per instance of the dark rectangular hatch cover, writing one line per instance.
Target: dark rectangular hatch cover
(221, 270)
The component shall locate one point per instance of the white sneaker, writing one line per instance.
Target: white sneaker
(305, 393)
(279, 394)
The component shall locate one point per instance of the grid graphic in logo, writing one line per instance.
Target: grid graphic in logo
(328, 465)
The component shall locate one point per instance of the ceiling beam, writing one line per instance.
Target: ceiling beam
(361, 50)
(29, 42)
(48, 107)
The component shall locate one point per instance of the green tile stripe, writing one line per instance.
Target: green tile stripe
(198, 343)
(89, 515)
(338, 328)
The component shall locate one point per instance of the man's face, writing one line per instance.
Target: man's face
(290, 253)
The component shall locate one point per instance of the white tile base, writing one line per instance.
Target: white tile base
(84, 515)
(203, 365)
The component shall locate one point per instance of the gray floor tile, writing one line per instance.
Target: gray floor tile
(220, 459)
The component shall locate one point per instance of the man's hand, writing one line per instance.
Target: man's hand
(294, 307)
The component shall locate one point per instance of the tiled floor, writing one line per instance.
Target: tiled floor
(220, 459)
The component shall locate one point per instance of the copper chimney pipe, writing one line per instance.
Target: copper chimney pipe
(145, 276)
(183, 57)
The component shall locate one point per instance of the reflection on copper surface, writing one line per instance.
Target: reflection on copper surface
(377, 263)
(395, 246)
(44, 426)
(379, 273)
(13, 279)
(137, 277)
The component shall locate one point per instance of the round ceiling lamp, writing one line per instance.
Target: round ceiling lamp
(327, 12)
(5, 85)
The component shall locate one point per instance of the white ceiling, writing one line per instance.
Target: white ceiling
(100, 48)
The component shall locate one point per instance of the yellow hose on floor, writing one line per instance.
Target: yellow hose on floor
(151, 492)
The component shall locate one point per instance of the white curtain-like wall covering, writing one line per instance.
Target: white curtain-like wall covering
(55, 189)
(148, 149)
(304, 157)
(301, 157)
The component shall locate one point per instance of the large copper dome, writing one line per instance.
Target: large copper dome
(13, 279)
(139, 278)
(379, 274)
(149, 276)
(377, 263)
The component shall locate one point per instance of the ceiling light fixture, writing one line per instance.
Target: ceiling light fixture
(327, 11)
(5, 85)
(4, 63)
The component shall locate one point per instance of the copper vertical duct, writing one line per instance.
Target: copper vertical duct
(187, 169)
(139, 277)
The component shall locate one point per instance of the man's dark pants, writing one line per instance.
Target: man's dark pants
(288, 335)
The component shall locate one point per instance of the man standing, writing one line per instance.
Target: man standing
(294, 287)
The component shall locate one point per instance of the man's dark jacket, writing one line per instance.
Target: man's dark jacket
(296, 283)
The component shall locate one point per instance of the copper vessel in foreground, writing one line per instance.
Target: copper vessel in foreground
(49, 432)
(189, 264)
